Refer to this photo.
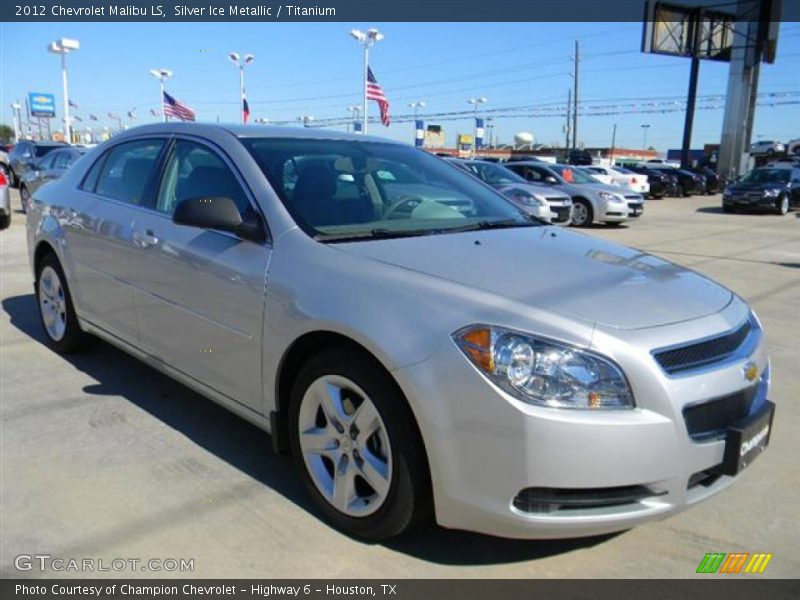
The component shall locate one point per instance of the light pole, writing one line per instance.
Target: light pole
(162, 75)
(416, 106)
(419, 133)
(367, 39)
(476, 102)
(241, 63)
(62, 47)
(644, 136)
(15, 108)
(354, 110)
(305, 120)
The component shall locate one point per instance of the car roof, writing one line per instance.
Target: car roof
(252, 131)
(48, 143)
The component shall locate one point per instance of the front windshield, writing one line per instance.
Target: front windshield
(343, 189)
(573, 175)
(494, 174)
(767, 176)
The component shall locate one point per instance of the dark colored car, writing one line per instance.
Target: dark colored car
(579, 157)
(660, 181)
(766, 188)
(51, 166)
(712, 179)
(522, 158)
(688, 183)
(24, 156)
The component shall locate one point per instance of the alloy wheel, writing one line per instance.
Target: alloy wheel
(52, 303)
(580, 214)
(783, 206)
(345, 446)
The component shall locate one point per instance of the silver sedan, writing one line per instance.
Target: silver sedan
(419, 346)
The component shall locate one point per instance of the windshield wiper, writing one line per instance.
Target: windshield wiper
(499, 224)
(372, 234)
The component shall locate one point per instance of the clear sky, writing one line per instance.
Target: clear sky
(315, 69)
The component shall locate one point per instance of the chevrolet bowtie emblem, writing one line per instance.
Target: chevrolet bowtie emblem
(750, 371)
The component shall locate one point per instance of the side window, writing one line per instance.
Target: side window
(127, 169)
(90, 181)
(47, 161)
(62, 160)
(195, 171)
(532, 174)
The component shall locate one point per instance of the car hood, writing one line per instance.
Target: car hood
(756, 187)
(558, 271)
(548, 191)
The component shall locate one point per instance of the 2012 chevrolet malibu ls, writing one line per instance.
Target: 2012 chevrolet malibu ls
(420, 346)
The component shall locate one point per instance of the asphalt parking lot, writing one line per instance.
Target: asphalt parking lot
(103, 457)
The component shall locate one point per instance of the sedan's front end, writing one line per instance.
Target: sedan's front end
(535, 438)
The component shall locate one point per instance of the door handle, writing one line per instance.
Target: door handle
(145, 239)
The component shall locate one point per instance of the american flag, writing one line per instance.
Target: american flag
(73, 104)
(154, 112)
(245, 110)
(174, 108)
(375, 92)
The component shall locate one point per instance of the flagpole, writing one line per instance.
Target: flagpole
(241, 91)
(162, 75)
(163, 114)
(366, 71)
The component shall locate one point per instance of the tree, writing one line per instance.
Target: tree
(6, 133)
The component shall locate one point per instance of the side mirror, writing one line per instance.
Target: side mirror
(219, 213)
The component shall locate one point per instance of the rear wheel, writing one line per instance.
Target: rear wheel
(56, 309)
(357, 447)
(582, 215)
(5, 222)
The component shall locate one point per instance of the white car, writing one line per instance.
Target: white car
(599, 173)
(767, 147)
(661, 162)
(635, 182)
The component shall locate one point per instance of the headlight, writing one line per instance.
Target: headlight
(771, 193)
(543, 372)
(529, 199)
(608, 197)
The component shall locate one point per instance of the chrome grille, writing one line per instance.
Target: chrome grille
(691, 356)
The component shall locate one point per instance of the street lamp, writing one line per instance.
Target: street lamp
(644, 136)
(305, 120)
(476, 102)
(162, 75)
(15, 108)
(354, 110)
(367, 39)
(63, 47)
(416, 106)
(241, 63)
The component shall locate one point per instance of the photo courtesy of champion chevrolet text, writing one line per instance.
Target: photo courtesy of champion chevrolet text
(372, 299)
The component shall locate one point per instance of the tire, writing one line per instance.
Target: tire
(782, 205)
(5, 222)
(582, 213)
(25, 198)
(59, 321)
(383, 495)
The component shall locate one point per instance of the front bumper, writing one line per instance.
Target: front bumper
(751, 200)
(485, 447)
(612, 211)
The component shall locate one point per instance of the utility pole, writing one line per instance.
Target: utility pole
(613, 142)
(566, 126)
(692, 95)
(575, 99)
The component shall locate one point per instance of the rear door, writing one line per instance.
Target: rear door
(98, 226)
(200, 293)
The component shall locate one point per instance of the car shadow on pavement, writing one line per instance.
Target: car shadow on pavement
(247, 448)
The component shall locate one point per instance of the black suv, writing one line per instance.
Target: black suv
(579, 157)
(775, 188)
(25, 154)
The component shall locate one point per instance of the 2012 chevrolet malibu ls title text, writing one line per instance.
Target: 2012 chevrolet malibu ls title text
(420, 346)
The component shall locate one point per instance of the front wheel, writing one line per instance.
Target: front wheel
(357, 447)
(782, 205)
(25, 198)
(56, 310)
(582, 213)
(5, 221)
